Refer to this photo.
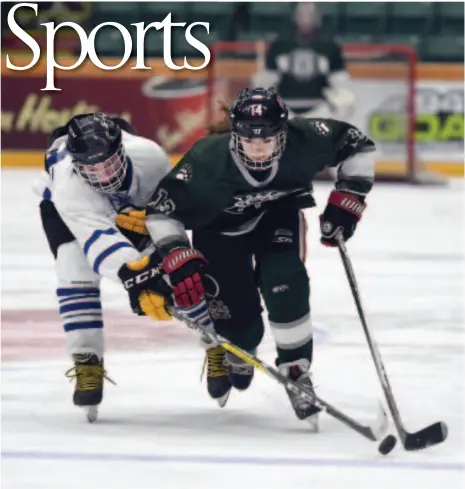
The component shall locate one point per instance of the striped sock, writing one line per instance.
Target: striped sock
(198, 313)
(80, 308)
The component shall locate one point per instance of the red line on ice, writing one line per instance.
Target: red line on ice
(38, 334)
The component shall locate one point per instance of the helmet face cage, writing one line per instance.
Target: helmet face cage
(256, 165)
(95, 145)
(106, 176)
(258, 114)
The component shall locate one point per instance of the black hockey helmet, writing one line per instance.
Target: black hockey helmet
(258, 123)
(95, 145)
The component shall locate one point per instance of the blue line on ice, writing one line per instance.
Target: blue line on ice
(231, 460)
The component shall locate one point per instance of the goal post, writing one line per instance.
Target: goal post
(383, 79)
(405, 71)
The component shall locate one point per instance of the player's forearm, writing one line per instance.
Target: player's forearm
(356, 174)
(166, 232)
(104, 247)
(111, 265)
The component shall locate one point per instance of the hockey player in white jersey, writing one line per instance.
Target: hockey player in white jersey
(95, 166)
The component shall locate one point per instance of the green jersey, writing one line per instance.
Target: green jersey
(303, 69)
(210, 187)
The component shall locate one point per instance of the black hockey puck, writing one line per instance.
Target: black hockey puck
(387, 444)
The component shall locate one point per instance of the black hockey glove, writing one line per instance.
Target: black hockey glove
(342, 212)
(148, 291)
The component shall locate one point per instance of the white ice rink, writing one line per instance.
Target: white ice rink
(158, 428)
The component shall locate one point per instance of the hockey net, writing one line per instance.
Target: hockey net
(383, 79)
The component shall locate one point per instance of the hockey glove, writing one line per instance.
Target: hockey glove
(132, 220)
(342, 212)
(186, 268)
(131, 223)
(148, 291)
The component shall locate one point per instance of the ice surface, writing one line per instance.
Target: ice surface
(158, 428)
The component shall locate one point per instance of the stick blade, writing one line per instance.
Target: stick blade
(427, 437)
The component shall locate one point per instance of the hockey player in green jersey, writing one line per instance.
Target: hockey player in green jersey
(242, 193)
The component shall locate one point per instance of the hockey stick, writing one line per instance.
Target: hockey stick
(373, 432)
(431, 435)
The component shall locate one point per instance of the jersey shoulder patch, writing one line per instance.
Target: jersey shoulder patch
(315, 131)
(321, 127)
(353, 137)
(184, 172)
(350, 140)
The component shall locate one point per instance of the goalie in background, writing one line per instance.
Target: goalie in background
(309, 70)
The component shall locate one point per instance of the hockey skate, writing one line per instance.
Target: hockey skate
(304, 408)
(89, 374)
(240, 373)
(218, 384)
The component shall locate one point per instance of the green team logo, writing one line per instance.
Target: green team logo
(439, 117)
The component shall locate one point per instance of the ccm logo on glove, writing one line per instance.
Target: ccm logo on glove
(147, 289)
(142, 277)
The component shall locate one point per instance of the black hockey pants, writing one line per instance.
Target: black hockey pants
(268, 260)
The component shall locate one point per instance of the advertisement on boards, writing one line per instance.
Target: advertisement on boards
(381, 110)
(172, 109)
(171, 112)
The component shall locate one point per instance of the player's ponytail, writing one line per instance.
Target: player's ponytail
(222, 125)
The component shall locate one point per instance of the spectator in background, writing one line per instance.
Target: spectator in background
(308, 69)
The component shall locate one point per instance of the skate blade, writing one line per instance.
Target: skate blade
(314, 423)
(223, 400)
(92, 413)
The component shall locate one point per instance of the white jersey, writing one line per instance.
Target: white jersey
(90, 214)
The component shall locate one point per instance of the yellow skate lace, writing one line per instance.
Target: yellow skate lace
(88, 377)
(214, 361)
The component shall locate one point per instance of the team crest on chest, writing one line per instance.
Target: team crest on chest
(257, 199)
